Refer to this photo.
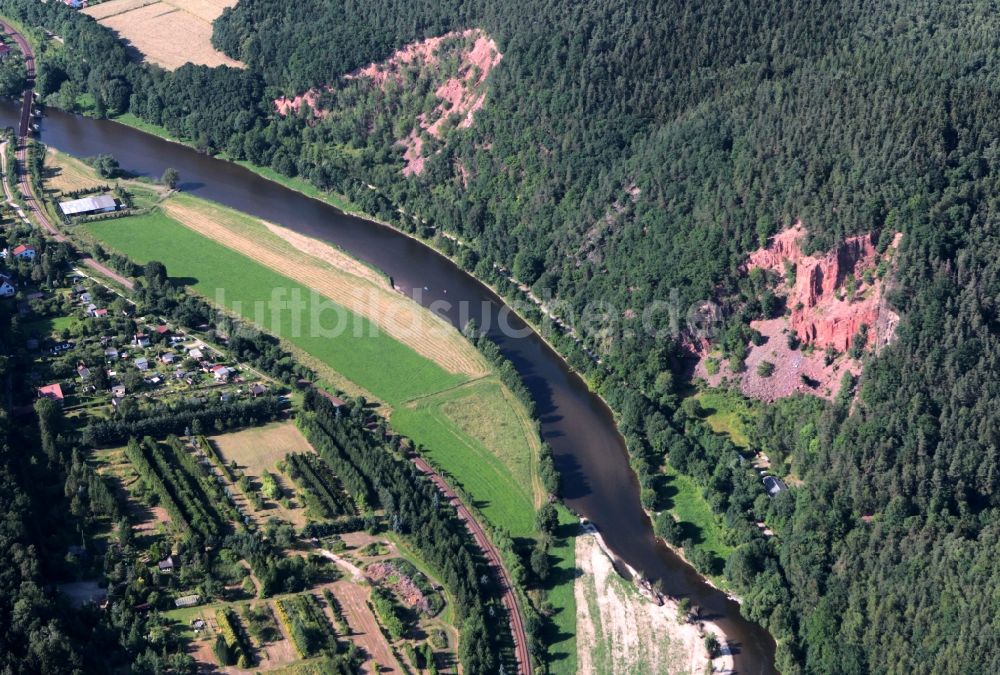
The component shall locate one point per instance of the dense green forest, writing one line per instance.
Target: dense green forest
(630, 148)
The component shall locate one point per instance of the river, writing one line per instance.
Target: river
(589, 452)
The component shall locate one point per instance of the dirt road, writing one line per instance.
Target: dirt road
(510, 600)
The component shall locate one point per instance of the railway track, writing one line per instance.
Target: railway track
(24, 183)
(510, 600)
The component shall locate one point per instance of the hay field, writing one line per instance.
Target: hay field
(63, 174)
(334, 275)
(67, 176)
(347, 342)
(481, 435)
(168, 33)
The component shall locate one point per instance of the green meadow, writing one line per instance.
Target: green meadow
(477, 435)
(346, 342)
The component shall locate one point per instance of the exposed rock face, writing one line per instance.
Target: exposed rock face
(830, 300)
(460, 91)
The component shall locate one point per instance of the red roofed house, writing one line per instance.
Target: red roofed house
(162, 330)
(221, 373)
(51, 391)
(23, 252)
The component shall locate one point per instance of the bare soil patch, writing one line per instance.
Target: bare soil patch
(169, 34)
(365, 632)
(334, 275)
(620, 631)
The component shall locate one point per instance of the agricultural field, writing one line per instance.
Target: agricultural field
(334, 275)
(438, 390)
(479, 433)
(377, 362)
(168, 33)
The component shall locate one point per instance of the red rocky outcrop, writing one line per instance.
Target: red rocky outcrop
(825, 309)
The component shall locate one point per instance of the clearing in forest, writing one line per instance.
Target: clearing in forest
(259, 449)
(168, 33)
(620, 631)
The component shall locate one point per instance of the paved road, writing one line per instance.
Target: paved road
(24, 182)
(510, 600)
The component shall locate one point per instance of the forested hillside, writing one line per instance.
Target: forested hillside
(629, 148)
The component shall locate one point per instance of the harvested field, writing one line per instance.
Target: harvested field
(67, 176)
(169, 34)
(620, 631)
(333, 275)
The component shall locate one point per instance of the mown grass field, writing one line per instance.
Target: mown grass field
(347, 342)
(562, 642)
(476, 434)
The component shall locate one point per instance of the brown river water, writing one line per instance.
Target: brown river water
(589, 452)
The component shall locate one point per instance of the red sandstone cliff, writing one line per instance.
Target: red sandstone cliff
(825, 309)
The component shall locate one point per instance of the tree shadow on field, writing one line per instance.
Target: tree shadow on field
(665, 490)
(691, 531)
(560, 576)
(184, 281)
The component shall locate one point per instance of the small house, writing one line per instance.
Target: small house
(774, 485)
(118, 391)
(221, 373)
(7, 289)
(187, 601)
(142, 363)
(162, 330)
(83, 371)
(167, 564)
(100, 313)
(257, 390)
(24, 252)
(111, 353)
(167, 358)
(52, 392)
(141, 339)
